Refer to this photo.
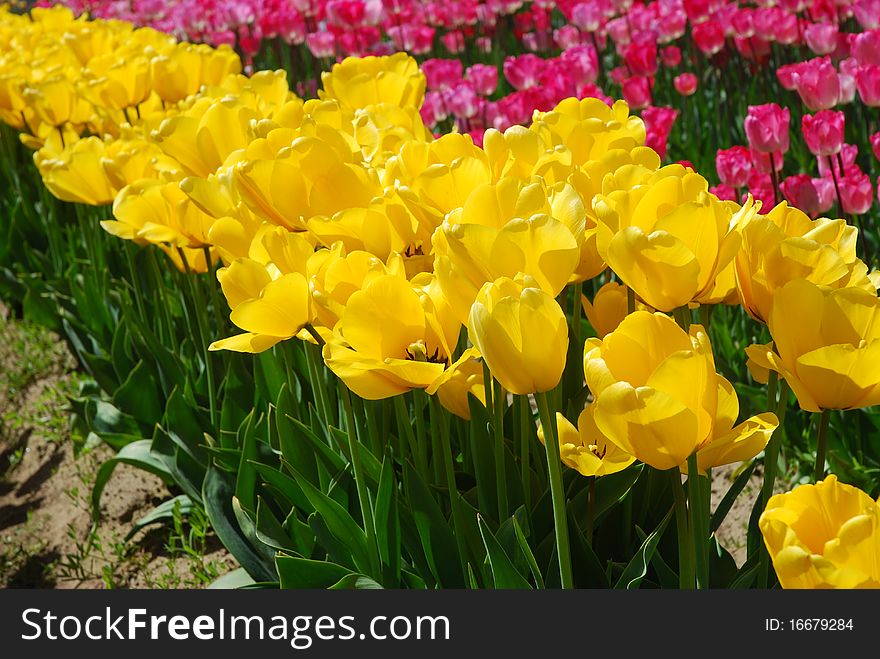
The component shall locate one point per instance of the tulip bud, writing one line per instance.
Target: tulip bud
(685, 84)
(522, 334)
(767, 128)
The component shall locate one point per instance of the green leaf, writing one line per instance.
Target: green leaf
(608, 492)
(504, 573)
(438, 543)
(162, 513)
(237, 578)
(527, 552)
(730, 496)
(355, 582)
(387, 521)
(139, 396)
(269, 530)
(339, 522)
(246, 478)
(137, 454)
(217, 495)
(637, 568)
(299, 573)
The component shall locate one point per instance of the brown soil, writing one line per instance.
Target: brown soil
(46, 534)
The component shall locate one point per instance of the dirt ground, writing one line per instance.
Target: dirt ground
(46, 534)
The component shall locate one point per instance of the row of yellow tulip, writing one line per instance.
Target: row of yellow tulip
(341, 220)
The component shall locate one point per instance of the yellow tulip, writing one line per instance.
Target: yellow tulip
(825, 535)
(358, 82)
(336, 274)
(456, 383)
(521, 332)
(785, 245)
(270, 298)
(387, 342)
(76, 173)
(181, 70)
(155, 212)
(608, 308)
(504, 229)
(56, 101)
(589, 128)
(658, 397)
(669, 238)
(826, 345)
(585, 449)
(117, 82)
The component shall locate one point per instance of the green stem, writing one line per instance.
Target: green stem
(438, 420)
(554, 468)
(771, 460)
(821, 445)
(361, 485)
(404, 425)
(500, 469)
(526, 425)
(699, 516)
(686, 576)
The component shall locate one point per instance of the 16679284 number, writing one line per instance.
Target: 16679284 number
(820, 624)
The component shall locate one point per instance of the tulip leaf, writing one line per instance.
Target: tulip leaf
(747, 574)
(610, 490)
(139, 396)
(120, 351)
(162, 513)
(437, 540)
(220, 507)
(722, 566)
(729, 498)
(286, 486)
(184, 427)
(355, 582)
(504, 573)
(637, 568)
(237, 578)
(340, 524)
(387, 522)
(331, 460)
(269, 530)
(298, 573)
(246, 475)
(587, 567)
(372, 467)
(527, 552)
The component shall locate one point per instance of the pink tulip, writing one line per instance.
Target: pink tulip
(866, 47)
(734, 166)
(566, 37)
(581, 63)
(709, 37)
(761, 188)
(743, 22)
(762, 162)
(856, 192)
(685, 84)
(723, 192)
(868, 85)
(841, 163)
(483, 77)
(823, 132)
(875, 144)
(766, 127)
(818, 84)
(587, 15)
(321, 44)
(670, 56)
(453, 41)
(821, 38)
(801, 192)
(462, 100)
(523, 71)
(658, 124)
(637, 92)
(671, 25)
(641, 59)
(867, 13)
(442, 73)
(618, 30)
(787, 76)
